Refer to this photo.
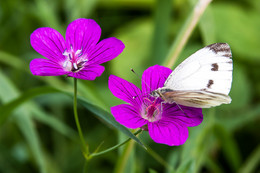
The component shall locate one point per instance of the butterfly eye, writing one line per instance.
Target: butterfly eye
(154, 93)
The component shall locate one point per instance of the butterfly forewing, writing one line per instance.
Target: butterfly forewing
(203, 79)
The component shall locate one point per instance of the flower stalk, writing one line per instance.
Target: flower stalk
(83, 143)
(114, 147)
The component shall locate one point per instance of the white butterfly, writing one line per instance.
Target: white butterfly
(202, 80)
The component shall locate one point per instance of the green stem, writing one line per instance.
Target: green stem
(185, 32)
(114, 147)
(83, 143)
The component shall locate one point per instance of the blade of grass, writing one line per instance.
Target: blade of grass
(185, 32)
(207, 27)
(122, 160)
(163, 9)
(229, 146)
(23, 121)
(252, 162)
(7, 109)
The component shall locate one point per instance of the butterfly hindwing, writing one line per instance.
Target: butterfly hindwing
(198, 99)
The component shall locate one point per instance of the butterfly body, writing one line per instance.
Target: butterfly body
(203, 80)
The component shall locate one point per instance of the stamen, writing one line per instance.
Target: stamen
(78, 52)
(70, 56)
(75, 66)
(65, 52)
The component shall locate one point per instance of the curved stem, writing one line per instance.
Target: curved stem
(114, 147)
(83, 143)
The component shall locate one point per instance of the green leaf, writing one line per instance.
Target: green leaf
(52, 121)
(106, 116)
(238, 120)
(7, 109)
(240, 28)
(11, 60)
(252, 162)
(23, 120)
(229, 146)
(152, 171)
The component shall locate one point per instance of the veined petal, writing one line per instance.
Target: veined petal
(89, 72)
(125, 90)
(106, 50)
(128, 116)
(45, 67)
(186, 115)
(168, 132)
(154, 77)
(49, 43)
(82, 34)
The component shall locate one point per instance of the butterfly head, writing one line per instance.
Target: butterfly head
(155, 93)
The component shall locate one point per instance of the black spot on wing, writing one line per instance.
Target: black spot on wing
(210, 83)
(214, 67)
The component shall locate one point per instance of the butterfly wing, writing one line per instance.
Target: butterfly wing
(208, 70)
(198, 99)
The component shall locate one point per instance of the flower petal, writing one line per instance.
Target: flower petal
(49, 43)
(125, 90)
(128, 116)
(106, 50)
(154, 77)
(187, 115)
(45, 67)
(168, 132)
(82, 34)
(90, 72)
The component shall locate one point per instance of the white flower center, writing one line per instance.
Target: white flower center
(75, 61)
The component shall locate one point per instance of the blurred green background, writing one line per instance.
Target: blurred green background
(39, 134)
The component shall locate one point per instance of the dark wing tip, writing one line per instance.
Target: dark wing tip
(223, 48)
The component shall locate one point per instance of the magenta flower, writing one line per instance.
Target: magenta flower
(79, 56)
(166, 123)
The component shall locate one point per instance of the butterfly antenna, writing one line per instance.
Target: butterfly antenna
(141, 80)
